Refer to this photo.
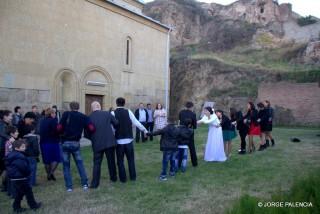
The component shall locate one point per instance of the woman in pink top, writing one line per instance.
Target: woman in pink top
(160, 117)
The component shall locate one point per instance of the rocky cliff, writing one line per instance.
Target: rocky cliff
(224, 53)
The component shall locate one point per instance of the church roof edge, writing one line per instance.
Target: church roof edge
(139, 14)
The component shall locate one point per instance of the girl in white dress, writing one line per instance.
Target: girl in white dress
(214, 147)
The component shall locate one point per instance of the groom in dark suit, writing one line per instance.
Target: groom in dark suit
(185, 115)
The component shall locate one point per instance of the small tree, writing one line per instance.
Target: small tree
(308, 20)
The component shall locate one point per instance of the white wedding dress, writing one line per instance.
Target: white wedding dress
(214, 147)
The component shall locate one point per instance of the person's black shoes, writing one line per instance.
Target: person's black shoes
(37, 206)
(272, 142)
(19, 210)
(52, 177)
(242, 152)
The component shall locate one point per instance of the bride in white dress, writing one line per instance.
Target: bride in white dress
(214, 147)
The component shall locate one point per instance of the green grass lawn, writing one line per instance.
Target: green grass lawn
(209, 188)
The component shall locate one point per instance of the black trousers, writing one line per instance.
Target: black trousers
(193, 152)
(150, 129)
(2, 165)
(243, 135)
(23, 188)
(128, 151)
(97, 160)
(138, 133)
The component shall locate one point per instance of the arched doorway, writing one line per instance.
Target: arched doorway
(66, 88)
(96, 85)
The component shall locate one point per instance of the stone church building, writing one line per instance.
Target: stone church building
(57, 51)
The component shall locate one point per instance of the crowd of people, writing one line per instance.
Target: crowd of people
(56, 137)
(222, 130)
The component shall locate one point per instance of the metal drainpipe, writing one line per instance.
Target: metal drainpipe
(167, 72)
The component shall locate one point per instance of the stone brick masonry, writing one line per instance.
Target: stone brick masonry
(295, 103)
(11, 97)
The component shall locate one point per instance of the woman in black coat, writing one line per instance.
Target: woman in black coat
(250, 119)
(263, 121)
(237, 120)
(269, 109)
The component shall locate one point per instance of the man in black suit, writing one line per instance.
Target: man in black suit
(103, 143)
(183, 116)
(142, 116)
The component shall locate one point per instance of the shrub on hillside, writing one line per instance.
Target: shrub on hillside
(303, 76)
(308, 20)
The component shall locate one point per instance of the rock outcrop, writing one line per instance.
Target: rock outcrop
(224, 53)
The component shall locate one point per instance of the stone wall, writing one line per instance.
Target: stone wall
(11, 97)
(294, 103)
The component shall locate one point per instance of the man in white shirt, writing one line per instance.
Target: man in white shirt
(124, 137)
(142, 115)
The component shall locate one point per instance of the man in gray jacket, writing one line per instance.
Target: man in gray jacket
(103, 142)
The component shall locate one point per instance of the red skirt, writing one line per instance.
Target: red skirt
(254, 129)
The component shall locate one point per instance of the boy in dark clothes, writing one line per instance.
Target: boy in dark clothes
(185, 138)
(32, 152)
(18, 171)
(12, 132)
(24, 125)
(169, 147)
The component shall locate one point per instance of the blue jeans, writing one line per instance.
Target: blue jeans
(182, 159)
(72, 148)
(168, 156)
(33, 168)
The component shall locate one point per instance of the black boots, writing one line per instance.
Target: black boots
(262, 147)
(267, 143)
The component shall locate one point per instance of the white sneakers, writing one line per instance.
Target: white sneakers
(84, 187)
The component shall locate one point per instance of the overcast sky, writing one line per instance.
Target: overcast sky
(303, 7)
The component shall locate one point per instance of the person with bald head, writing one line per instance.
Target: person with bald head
(103, 143)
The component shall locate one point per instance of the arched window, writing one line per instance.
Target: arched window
(128, 52)
(262, 10)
